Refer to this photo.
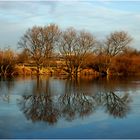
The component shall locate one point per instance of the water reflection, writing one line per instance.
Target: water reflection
(43, 105)
(40, 105)
(6, 85)
(116, 106)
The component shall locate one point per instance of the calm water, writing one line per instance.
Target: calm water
(52, 107)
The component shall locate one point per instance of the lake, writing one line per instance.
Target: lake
(57, 107)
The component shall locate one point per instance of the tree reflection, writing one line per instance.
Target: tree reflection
(40, 105)
(6, 85)
(76, 105)
(43, 105)
(39, 108)
(116, 106)
(74, 102)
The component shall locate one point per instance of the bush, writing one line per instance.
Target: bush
(7, 62)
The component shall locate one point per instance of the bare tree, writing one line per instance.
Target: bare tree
(115, 44)
(74, 47)
(117, 106)
(40, 41)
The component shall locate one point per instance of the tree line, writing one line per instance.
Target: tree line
(75, 50)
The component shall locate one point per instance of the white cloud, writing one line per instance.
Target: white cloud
(97, 17)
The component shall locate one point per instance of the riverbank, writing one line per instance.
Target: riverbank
(28, 70)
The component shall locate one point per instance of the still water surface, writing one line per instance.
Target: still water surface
(53, 107)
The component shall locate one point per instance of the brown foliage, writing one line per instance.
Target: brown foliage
(7, 62)
(126, 64)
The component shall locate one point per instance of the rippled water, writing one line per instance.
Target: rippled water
(52, 107)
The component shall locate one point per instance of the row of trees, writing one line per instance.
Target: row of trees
(77, 49)
(74, 46)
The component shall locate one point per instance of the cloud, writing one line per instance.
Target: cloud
(98, 17)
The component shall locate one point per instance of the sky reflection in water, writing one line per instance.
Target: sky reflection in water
(64, 108)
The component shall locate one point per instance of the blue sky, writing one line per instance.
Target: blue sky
(100, 17)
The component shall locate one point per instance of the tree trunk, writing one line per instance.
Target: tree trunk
(38, 70)
(108, 71)
(76, 72)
